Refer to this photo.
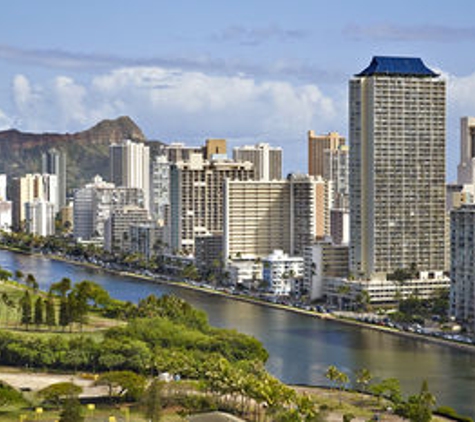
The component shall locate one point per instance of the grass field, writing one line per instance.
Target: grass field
(10, 316)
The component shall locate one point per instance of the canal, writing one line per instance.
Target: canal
(301, 347)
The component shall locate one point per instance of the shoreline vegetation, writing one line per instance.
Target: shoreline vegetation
(244, 298)
(218, 369)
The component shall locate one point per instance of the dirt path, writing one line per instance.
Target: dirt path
(32, 381)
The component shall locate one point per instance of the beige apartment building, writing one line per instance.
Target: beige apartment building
(267, 160)
(397, 168)
(317, 145)
(263, 216)
(196, 198)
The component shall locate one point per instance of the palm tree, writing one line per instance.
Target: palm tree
(363, 378)
(30, 281)
(19, 275)
(338, 378)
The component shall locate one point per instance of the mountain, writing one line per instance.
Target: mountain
(87, 151)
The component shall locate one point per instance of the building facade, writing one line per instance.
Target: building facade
(54, 162)
(130, 166)
(317, 145)
(280, 271)
(397, 168)
(40, 217)
(466, 167)
(196, 198)
(263, 216)
(336, 169)
(267, 160)
(462, 268)
(160, 189)
(94, 203)
(29, 188)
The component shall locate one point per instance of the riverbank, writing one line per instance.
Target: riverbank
(470, 348)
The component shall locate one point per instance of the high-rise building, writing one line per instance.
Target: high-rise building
(117, 228)
(397, 168)
(196, 198)
(462, 268)
(336, 169)
(214, 148)
(160, 189)
(317, 145)
(27, 189)
(178, 151)
(466, 167)
(263, 216)
(54, 162)
(267, 160)
(3, 187)
(130, 166)
(257, 216)
(94, 203)
(40, 217)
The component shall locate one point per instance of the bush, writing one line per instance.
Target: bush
(196, 403)
(452, 414)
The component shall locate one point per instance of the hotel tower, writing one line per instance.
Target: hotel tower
(397, 168)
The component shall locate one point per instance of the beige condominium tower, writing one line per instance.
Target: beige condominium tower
(397, 168)
(317, 145)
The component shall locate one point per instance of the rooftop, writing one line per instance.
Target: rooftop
(397, 66)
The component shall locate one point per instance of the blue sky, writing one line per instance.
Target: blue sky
(249, 71)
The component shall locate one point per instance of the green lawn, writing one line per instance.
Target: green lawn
(10, 316)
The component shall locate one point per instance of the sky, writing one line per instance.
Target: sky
(248, 71)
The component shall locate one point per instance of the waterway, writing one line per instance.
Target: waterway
(301, 347)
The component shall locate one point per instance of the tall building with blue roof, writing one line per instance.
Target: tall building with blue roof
(397, 134)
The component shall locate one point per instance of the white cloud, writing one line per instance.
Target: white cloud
(70, 98)
(190, 106)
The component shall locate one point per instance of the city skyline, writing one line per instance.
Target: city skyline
(265, 72)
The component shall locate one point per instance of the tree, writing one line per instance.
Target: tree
(25, 306)
(64, 312)
(124, 383)
(419, 407)
(338, 378)
(54, 393)
(50, 317)
(153, 401)
(39, 311)
(31, 282)
(19, 275)
(5, 274)
(363, 378)
(71, 411)
(8, 304)
(62, 287)
(388, 387)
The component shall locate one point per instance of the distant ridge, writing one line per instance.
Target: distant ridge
(87, 151)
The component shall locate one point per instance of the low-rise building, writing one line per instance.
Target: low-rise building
(280, 272)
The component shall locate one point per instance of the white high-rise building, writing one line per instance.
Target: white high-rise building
(336, 169)
(160, 189)
(3, 187)
(27, 189)
(397, 168)
(130, 166)
(40, 217)
(267, 160)
(94, 203)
